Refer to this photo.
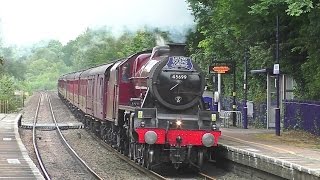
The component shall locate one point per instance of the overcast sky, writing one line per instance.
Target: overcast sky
(29, 21)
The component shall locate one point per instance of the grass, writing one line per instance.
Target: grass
(294, 138)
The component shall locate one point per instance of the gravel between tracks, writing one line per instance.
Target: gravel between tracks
(104, 162)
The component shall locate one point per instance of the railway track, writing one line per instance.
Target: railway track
(86, 171)
(93, 175)
(149, 173)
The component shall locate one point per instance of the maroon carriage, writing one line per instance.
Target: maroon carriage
(62, 86)
(70, 86)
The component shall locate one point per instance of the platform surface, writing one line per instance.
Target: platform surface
(14, 160)
(266, 145)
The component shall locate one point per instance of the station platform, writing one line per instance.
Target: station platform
(288, 156)
(14, 160)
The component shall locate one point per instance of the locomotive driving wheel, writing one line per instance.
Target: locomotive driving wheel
(147, 159)
(200, 158)
(103, 134)
(126, 150)
(138, 153)
(132, 145)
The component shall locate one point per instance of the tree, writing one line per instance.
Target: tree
(294, 8)
(225, 29)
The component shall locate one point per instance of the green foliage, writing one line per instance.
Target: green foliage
(226, 29)
(43, 74)
(47, 61)
(100, 46)
(223, 33)
(6, 88)
(294, 7)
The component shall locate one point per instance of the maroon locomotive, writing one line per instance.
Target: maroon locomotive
(149, 106)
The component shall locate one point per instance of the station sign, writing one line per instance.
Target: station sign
(221, 67)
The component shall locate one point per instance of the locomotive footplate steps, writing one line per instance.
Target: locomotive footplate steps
(52, 126)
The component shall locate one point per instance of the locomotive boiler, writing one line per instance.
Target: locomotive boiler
(149, 106)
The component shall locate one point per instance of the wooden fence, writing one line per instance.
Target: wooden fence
(4, 106)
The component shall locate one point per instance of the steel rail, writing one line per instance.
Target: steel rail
(206, 176)
(150, 174)
(92, 172)
(35, 145)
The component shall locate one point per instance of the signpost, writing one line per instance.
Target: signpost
(221, 67)
(225, 67)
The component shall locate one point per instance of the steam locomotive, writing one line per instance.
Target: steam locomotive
(149, 106)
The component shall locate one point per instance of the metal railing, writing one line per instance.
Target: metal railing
(226, 118)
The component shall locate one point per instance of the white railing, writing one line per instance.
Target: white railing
(227, 118)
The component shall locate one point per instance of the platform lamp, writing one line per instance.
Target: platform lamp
(276, 70)
(245, 88)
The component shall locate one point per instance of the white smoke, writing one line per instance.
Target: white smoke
(160, 41)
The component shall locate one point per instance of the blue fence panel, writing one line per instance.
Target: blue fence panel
(304, 115)
(290, 120)
(259, 118)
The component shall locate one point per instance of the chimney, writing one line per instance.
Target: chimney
(177, 49)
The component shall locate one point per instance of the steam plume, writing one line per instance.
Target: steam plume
(160, 40)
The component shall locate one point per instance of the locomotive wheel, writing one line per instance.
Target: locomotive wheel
(139, 154)
(135, 152)
(146, 157)
(109, 136)
(200, 158)
(126, 150)
(124, 143)
(92, 126)
(131, 150)
(103, 131)
(88, 122)
(118, 142)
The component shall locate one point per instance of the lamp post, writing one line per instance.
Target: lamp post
(234, 105)
(245, 85)
(277, 109)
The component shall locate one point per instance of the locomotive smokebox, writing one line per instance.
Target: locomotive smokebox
(175, 81)
(177, 49)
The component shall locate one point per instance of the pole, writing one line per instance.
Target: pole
(277, 109)
(219, 91)
(234, 106)
(215, 91)
(22, 99)
(245, 108)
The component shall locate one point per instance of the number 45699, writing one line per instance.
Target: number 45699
(179, 76)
